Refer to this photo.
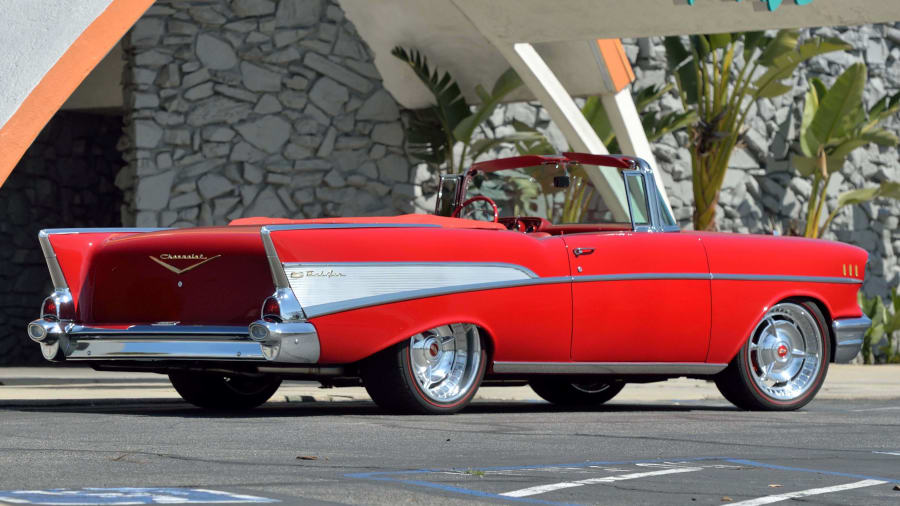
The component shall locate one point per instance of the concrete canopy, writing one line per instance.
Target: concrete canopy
(459, 35)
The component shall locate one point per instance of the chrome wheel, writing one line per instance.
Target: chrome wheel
(592, 388)
(446, 361)
(785, 352)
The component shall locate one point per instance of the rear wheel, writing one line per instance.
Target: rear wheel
(565, 392)
(783, 364)
(224, 392)
(435, 372)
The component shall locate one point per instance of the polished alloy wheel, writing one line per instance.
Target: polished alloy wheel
(592, 388)
(446, 361)
(785, 352)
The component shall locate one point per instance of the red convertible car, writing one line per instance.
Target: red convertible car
(423, 309)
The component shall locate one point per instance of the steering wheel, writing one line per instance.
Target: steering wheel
(477, 198)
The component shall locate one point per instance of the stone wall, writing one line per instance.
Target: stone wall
(256, 108)
(762, 193)
(64, 180)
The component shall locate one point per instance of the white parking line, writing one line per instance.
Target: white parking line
(540, 489)
(889, 453)
(769, 499)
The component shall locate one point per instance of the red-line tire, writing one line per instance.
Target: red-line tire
(743, 382)
(393, 377)
(222, 392)
(563, 391)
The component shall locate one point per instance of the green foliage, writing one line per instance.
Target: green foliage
(432, 132)
(834, 124)
(885, 323)
(720, 91)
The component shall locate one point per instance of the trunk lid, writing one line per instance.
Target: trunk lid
(201, 276)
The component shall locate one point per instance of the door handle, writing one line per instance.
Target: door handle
(582, 251)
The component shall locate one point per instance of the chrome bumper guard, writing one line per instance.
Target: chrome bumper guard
(849, 334)
(262, 341)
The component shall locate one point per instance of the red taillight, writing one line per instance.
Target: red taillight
(271, 310)
(49, 308)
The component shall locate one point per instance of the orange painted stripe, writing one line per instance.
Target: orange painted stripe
(61, 80)
(617, 65)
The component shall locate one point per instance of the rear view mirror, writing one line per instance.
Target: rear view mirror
(561, 182)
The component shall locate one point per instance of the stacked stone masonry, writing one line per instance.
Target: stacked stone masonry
(65, 179)
(256, 108)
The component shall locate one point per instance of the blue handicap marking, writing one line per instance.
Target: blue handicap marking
(126, 495)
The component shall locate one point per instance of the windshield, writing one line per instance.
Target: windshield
(556, 194)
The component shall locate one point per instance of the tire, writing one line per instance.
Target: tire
(563, 391)
(224, 392)
(781, 370)
(435, 372)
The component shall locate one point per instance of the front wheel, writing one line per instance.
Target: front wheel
(783, 364)
(565, 392)
(223, 391)
(435, 372)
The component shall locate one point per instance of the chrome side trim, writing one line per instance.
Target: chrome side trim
(325, 226)
(699, 368)
(849, 334)
(278, 275)
(780, 277)
(525, 270)
(362, 302)
(102, 230)
(56, 273)
(640, 276)
(291, 309)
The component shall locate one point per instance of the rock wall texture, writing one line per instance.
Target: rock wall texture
(64, 180)
(762, 193)
(256, 108)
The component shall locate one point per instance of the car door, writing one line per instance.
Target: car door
(639, 297)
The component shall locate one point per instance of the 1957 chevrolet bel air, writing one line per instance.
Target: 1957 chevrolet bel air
(423, 309)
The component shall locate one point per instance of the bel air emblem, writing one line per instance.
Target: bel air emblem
(166, 256)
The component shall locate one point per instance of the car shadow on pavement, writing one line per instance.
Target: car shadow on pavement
(171, 408)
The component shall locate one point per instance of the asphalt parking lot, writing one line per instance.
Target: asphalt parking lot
(696, 452)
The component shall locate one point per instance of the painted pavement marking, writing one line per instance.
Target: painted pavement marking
(126, 495)
(888, 453)
(540, 489)
(769, 499)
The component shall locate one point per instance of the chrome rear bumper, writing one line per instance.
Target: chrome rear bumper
(289, 342)
(849, 334)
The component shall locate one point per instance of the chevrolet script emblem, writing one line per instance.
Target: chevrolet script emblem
(193, 256)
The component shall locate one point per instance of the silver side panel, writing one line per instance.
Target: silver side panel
(849, 334)
(613, 368)
(327, 288)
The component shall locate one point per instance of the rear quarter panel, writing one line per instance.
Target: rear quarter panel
(738, 305)
(523, 323)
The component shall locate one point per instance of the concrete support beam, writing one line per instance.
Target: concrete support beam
(626, 122)
(540, 79)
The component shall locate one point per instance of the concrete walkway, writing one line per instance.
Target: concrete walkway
(30, 386)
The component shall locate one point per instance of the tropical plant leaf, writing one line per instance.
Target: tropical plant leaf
(425, 137)
(595, 113)
(836, 109)
(670, 122)
(784, 64)
(885, 107)
(784, 42)
(449, 99)
(809, 165)
(481, 146)
(719, 40)
(681, 63)
(649, 94)
(505, 84)
(810, 105)
(753, 40)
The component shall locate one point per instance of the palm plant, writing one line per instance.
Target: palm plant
(834, 124)
(720, 77)
(432, 133)
(885, 322)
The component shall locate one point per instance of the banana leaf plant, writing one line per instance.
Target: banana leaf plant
(433, 132)
(720, 77)
(885, 322)
(834, 124)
